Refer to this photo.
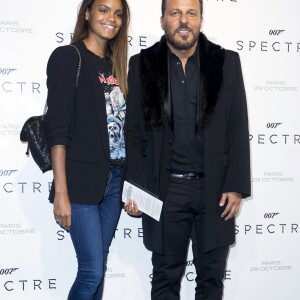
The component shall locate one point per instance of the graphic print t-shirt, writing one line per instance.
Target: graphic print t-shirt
(115, 111)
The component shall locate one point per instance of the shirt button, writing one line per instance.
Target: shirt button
(182, 81)
(178, 63)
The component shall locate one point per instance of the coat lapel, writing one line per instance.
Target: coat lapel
(154, 74)
(156, 86)
(212, 59)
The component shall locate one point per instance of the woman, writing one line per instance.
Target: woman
(85, 133)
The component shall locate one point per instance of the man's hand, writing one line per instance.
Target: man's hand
(233, 204)
(132, 209)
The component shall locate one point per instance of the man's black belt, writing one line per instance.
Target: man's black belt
(187, 175)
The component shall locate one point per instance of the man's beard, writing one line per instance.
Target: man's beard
(182, 44)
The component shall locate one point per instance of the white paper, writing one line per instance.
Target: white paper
(147, 203)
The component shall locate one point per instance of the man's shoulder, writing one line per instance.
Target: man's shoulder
(157, 49)
(134, 58)
(231, 57)
(231, 54)
(152, 54)
(134, 65)
(216, 49)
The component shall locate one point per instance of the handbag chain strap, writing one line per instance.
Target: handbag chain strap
(77, 78)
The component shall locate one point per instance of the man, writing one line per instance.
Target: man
(188, 143)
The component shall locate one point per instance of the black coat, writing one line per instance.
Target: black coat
(76, 118)
(226, 138)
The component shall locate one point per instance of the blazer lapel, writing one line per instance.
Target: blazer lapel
(101, 112)
(99, 100)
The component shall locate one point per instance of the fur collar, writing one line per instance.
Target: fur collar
(154, 80)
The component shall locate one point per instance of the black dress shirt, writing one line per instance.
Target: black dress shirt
(188, 147)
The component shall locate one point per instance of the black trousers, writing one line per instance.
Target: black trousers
(183, 216)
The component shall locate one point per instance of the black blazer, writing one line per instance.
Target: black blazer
(76, 117)
(226, 137)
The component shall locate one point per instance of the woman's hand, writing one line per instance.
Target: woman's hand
(132, 209)
(62, 205)
(62, 210)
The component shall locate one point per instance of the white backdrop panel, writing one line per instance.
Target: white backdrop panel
(37, 260)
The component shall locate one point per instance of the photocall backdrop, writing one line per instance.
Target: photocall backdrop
(37, 260)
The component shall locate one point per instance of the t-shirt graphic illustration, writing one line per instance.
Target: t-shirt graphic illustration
(116, 111)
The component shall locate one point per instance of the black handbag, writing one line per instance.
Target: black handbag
(33, 132)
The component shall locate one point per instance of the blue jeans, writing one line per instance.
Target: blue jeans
(92, 230)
